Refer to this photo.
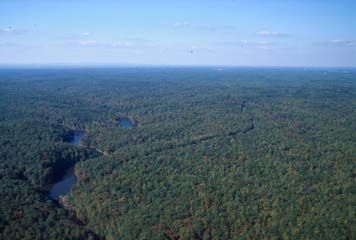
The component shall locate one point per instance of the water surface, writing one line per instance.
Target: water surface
(64, 184)
(125, 122)
(76, 137)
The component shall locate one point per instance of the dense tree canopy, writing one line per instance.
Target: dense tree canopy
(235, 154)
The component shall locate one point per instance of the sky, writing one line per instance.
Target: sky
(186, 32)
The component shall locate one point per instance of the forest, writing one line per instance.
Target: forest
(231, 153)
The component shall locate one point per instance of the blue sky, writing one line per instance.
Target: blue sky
(206, 32)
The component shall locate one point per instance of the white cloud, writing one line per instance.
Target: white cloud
(10, 30)
(201, 49)
(205, 28)
(265, 33)
(264, 43)
(336, 43)
(125, 43)
(8, 44)
(342, 43)
(181, 24)
(250, 43)
(88, 43)
(7, 30)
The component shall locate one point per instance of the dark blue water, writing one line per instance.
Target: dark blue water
(76, 137)
(63, 186)
(125, 123)
(65, 183)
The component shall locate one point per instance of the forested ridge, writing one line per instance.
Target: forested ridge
(242, 153)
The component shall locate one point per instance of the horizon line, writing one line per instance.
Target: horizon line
(133, 65)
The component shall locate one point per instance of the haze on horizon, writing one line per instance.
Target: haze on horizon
(233, 32)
